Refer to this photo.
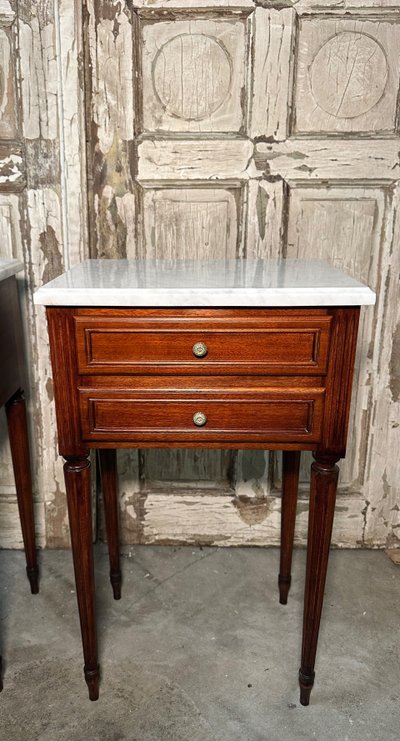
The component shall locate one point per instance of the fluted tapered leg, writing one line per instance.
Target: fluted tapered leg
(77, 480)
(109, 482)
(290, 486)
(19, 444)
(324, 478)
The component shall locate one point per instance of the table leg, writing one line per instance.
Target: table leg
(1, 674)
(324, 478)
(290, 485)
(19, 443)
(109, 482)
(77, 480)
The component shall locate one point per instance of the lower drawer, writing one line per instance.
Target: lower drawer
(289, 416)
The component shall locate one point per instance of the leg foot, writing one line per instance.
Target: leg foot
(33, 577)
(290, 485)
(306, 684)
(19, 444)
(108, 469)
(92, 678)
(284, 586)
(115, 579)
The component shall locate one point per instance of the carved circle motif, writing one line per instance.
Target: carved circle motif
(192, 76)
(348, 75)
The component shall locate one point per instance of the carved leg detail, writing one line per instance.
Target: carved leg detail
(108, 469)
(324, 477)
(290, 485)
(19, 443)
(77, 480)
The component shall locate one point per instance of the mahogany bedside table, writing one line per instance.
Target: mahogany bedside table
(230, 354)
(12, 382)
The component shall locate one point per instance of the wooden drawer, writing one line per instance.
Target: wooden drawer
(250, 344)
(129, 416)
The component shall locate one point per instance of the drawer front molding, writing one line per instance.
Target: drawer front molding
(253, 346)
(123, 416)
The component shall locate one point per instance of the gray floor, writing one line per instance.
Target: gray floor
(199, 649)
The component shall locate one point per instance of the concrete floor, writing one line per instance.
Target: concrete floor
(199, 649)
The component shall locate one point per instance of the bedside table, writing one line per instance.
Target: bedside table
(12, 383)
(230, 354)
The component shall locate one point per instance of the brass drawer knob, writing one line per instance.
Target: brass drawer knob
(200, 419)
(200, 349)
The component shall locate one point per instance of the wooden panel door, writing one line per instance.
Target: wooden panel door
(43, 208)
(247, 129)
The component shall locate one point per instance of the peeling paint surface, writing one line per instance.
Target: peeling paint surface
(395, 366)
(42, 224)
(253, 511)
(9, 170)
(52, 255)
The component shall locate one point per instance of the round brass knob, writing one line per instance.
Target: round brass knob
(200, 349)
(200, 419)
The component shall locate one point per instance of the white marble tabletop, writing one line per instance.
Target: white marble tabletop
(9, 268)
(204, 283)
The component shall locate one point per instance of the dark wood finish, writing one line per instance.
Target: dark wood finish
(12, 383)
(12, 376)
(65, 381)
(277, 379)
(77, 481)
(109, 483)
(206, 382)
(208, 444)
(250, 344)
(339, 380)
(19, 444)
(290, 485)
(324, 478)
(260, 417)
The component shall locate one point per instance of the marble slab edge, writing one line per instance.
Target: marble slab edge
(8, 268)
(284, 297)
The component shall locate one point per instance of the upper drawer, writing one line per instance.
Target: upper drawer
(250, 345)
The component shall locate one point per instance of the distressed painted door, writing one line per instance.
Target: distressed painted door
(247, 129)
(233, 128)
(42, 220)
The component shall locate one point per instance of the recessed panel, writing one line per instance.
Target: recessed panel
(193, 73)
(341, 225)
(344, 226)
(347, 76)
(7, 89)
(191, 223)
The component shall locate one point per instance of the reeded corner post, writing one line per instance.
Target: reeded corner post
(324, 478)
(77, 481)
